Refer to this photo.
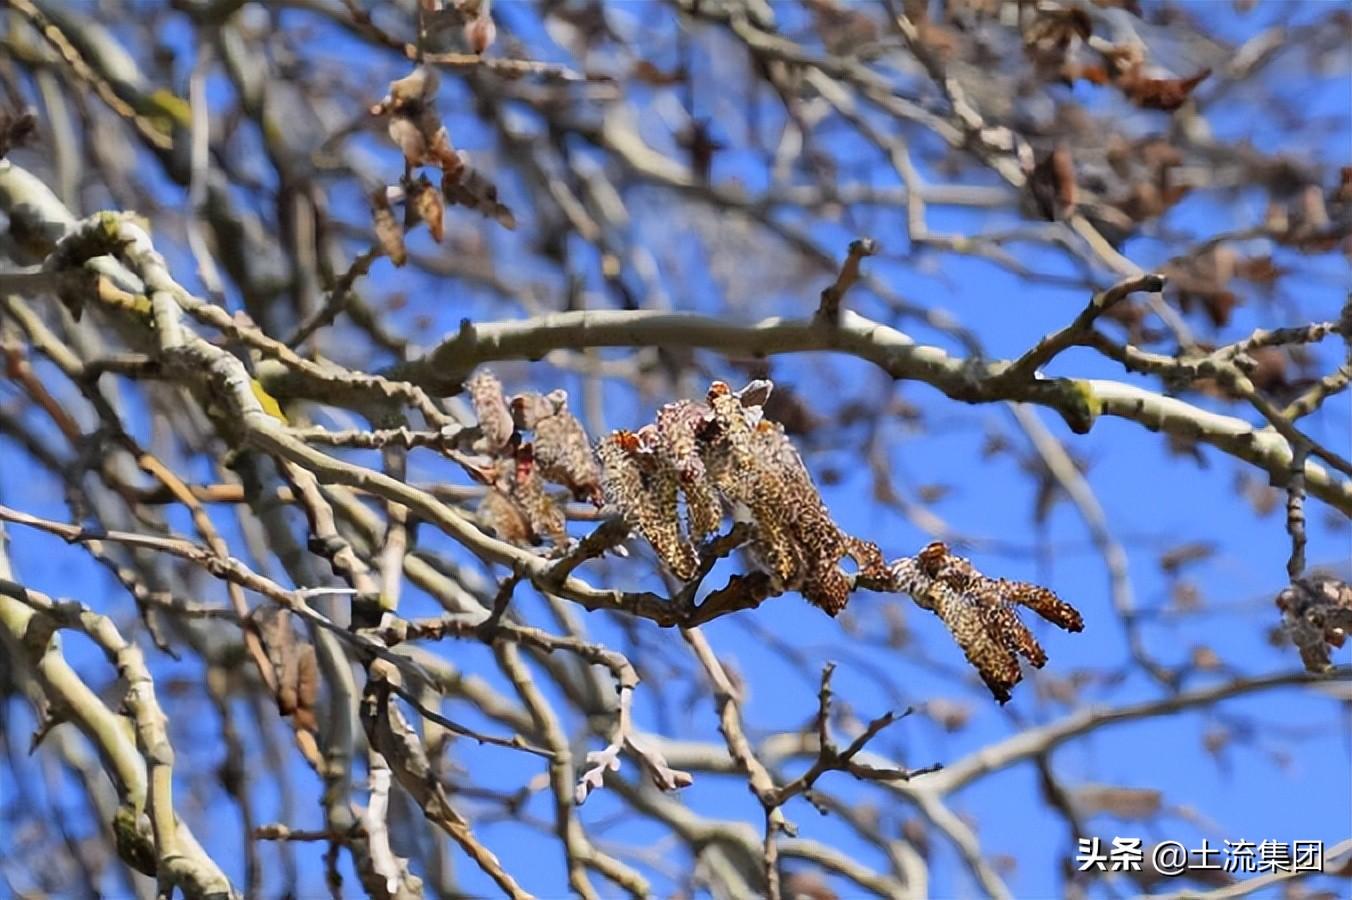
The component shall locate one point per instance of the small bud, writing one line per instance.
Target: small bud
(480, 32)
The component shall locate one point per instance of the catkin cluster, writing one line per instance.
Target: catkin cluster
(675, 479)
(1317, 615)
(531, 440)
(723, 454)
(980, 612)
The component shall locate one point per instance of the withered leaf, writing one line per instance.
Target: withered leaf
(389, 233)
(294, 666)
(1173, 560)
(463, 185)
(648, 73)
(425, 202)
(307, 688)
(1052, 184)
(507, 520)
(806, 885)
(1166, 94)
(414, 125)
(16, 129)
(1125, 803)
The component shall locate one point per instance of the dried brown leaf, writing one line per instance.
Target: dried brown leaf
(294, 670)
(501, 513)
(389, 233)
(1166, 94)
(807, 886)
(1125, 803)
(307, 689)
(16, 129)
(426, 203)
(463, 185)
(1175, 559)
(1052, 184)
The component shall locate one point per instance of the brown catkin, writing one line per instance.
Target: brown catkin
(528, 489)
(565, 455)
(725, 451)
(980, 612)
(644, 490)
(490, 408)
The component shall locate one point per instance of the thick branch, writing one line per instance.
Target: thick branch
(1079, 402)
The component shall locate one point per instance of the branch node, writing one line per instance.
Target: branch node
(832, 296)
